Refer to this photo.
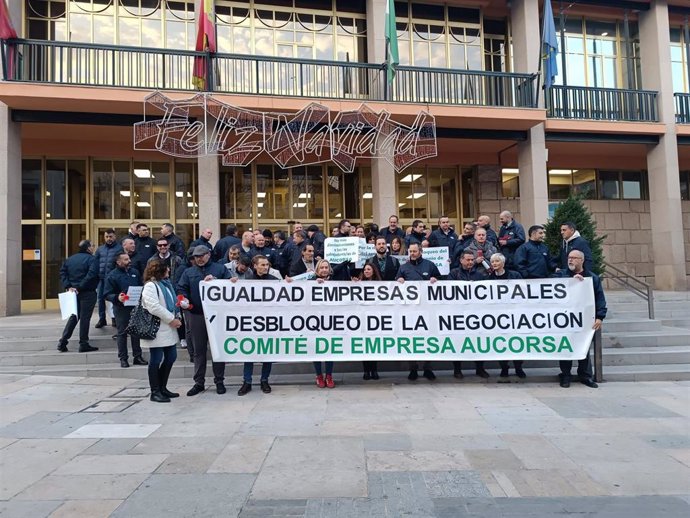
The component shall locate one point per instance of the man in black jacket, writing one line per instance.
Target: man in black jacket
(220, 251)
(305, 263)
(533, 259)
(175, 244)
(116, 285)
(204, 239)
(444, 235)
(386, 265)
(485, 223)
(146, 245)
(417, 234)
(467, 272)
(392, 230)
(79, 273)
(576, 260)
(572, 240)
(280, 253)
(105, 257)
(316, 238)
(188, 286)
(510, 236)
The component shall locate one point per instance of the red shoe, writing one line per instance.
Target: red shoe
(320, 382)
(329, 381)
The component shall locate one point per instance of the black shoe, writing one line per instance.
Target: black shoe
(139, 360)
(220, 388)
(244, 389)
(375, 375)
(482, 373)
(504, 373)
(85, 349)
(101, 323)
(429, 374)
(520, 374)
(62, 348)
(191, 359)
(158, 397)
(112, 323)
(366, 376)
(589, 382)
(124, 364)
(412, 376)
(457, 373)
(196, 389)
(169, 394)
(265, 387)
(565, 380)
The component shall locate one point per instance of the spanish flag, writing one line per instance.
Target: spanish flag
(205, 42)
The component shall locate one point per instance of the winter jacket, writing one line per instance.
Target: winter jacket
(146, 247)
(175, 245)
(460, 274)
(414, 237)
(202, 241)
(515, 235)
(507, 274)
(440, 238)
(153, 300)
(192, 276)
(390, 267)
(533, 261)
(280, 258)
(318, 240)
(105, 255)
(418, 270)
(491, 235)
(220, 251)
(600, 309)
(119, 281)
(577, 242)
(173, 261)
(386, 232)
(487, 249)
(80, 271)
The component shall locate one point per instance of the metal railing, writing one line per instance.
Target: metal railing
(682, 108)
(632, 284)
(39, 61)
(610, 104)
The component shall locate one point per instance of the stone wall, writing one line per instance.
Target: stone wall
(490, 200)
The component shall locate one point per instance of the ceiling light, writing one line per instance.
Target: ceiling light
(299, 205)
(416, 195)
(191, 204)
(143, 204)
(508, 170)
(562, 172)
(258, 215)
(126, 194)
(260, 194)
(410, 178)
(47, 193)
(260, 204)
(367, 196)
(179, 194)
(339, 215)
(303, 195)
(401, 204)
(142, 173)
(604, 33)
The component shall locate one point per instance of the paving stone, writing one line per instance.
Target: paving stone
(19, 509)
(493, 459)
(187, 463)
(405, 493)
(416, 460)
(44, 425)
(452, 484)
(243, 454)
(273, 508)
(181, 445)
(200, 496)
(537, 452)
(457, 442)
(121, 431)
(83, 487)
(667, 441)
(90, 508)
(387, 442)
(112, 446)
(600, 407)
(631, 479)
(346, 508)
(37, 458)
(111, 464)
(6, 441)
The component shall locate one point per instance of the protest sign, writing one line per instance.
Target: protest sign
(133, 294)
(439, 256)
(366, 251)
(337, 250)
(402, 259)
(447, 320)
(68, 304)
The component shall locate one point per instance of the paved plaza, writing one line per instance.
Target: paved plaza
(92, 447)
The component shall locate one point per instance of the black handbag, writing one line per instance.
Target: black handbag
(143, 324)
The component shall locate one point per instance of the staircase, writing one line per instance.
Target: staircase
(635, 347)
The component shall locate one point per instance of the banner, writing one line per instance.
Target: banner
(338, 250)
(544, 319)
(439, 256)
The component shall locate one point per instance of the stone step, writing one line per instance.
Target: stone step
(683, 323)
(665, 337)
(647, 356)
(616, 325)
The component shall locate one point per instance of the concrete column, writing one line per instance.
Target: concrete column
(662, 159)
(383, 177)
(10, 214)
(534, 193)
(209, 197)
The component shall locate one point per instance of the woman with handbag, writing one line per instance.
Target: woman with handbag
(158, 298)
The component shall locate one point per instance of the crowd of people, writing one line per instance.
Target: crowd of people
(170, 274)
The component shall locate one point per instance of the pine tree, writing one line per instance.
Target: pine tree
(575, 211)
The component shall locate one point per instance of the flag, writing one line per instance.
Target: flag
(205, 42)
(392, 56)
(7, 32)
(549, 46)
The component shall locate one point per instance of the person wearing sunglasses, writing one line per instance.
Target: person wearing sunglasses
(163, 253)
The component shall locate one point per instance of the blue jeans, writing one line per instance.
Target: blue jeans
(249, 368)
(161, 355)
(329, 368)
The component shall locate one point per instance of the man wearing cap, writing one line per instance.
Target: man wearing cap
(316, 238)
(203, 270)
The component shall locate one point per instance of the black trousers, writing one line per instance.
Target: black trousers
(86, 300)
(457, 366)
(584, 367)
(505, 364)
(415, 366)
(199, 336)
(121, 321)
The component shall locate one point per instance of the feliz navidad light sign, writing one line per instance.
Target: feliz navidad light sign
(203, 126)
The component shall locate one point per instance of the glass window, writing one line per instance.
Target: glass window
(55, 189)
(102, 179)
(122, 190)
(685, 185)
(609, 188)
(31, 189)
(584, 183)
(510, 183)
(31, 263)
(55, 254)
(442, 193)
(633, 187)
(367, 195)
(335, 180)
(76, 189)
(185, 195)
(560, 181)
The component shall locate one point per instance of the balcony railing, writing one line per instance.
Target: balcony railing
(682, 108)
(608, 104)
(39, 61)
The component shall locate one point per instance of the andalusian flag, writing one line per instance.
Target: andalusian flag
(392, 56)
(7, 32)
(205, 42)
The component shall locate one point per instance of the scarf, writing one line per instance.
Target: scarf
(168, 294)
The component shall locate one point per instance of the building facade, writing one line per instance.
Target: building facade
(615, 126)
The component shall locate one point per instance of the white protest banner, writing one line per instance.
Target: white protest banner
(134, 294)
(402, 259)
(366, 251)
(338, 250)
(68, 304)
(439, 256)
(306, 276)
(544, 319)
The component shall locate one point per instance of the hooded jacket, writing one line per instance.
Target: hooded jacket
(576, 242)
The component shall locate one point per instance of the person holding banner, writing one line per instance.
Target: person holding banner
(386, 265)
(188, 287)
(79, 273)
(261, 273)
(117, 283)
(158, 298)
(370, 272)
(418, 269)
(467, 272)
(576, 261)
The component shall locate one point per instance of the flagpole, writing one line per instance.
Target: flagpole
(385, 73)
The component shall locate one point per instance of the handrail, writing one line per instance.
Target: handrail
(682, 107)
(632, 284)
(594, 103)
